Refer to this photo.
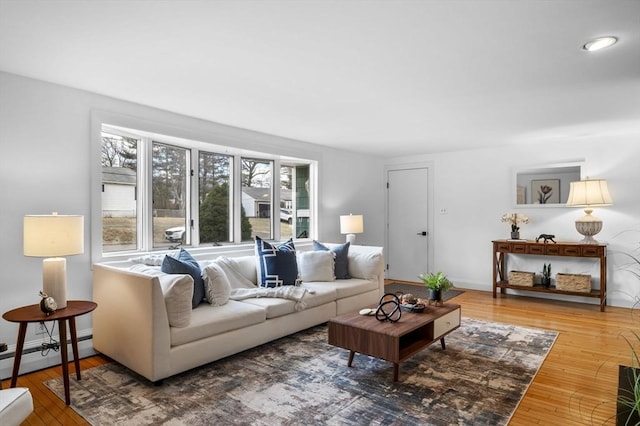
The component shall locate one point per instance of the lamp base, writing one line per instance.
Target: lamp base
(588, 240)
(588, 226)
(351, 239)
(54, 280)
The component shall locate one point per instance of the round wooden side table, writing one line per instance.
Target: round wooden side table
(32, 313)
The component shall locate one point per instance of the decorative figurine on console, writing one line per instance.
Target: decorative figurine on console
(546, 238)
(47, 304)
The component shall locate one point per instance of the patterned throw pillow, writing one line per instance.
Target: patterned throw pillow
(276, 263)
(186, 264)
(342, 258)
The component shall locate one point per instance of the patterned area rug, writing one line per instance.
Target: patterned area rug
(418, 290)
(299, 380)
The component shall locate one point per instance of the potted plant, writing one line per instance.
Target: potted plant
(546, 275)
(628, 402)
(437, 284)
(515, 219)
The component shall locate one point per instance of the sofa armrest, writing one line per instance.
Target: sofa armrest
(130, 323)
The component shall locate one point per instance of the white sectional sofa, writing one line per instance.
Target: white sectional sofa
(131, 324)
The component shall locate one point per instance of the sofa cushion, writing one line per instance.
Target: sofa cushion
(186, 264)
(274, 307)
(276, 263)
(207, 321)
(216, 285)
(277, 307)
(177, 290)
(348, 288)
(322, 293)
(316, 266)
(341, 252)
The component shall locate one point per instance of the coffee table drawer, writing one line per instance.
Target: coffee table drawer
(446, 323)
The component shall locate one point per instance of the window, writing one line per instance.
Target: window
(286, 202)
(161, 192)
(119, 189)
(256, 198)
(170, 173)
(214, 197)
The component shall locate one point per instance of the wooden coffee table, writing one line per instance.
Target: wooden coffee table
(393, 341)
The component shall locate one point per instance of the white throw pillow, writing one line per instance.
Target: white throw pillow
(364, 265)
(316, 266)
(178, 292)
(246, 265)
(216, 285)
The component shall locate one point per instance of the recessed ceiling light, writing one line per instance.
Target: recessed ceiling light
(599, 43)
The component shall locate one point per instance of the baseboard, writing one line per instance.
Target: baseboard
(33, 360)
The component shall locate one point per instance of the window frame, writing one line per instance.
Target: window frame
(224, 141)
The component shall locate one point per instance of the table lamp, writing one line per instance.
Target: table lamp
(351, 225)
(588, 194)
(53, 236)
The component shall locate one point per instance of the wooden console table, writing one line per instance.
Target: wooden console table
(503, 247)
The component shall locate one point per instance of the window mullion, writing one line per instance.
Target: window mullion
(275, 199)
(194, 215)
(237, 198)
(146, 215)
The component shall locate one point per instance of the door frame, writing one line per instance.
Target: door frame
(429, 165)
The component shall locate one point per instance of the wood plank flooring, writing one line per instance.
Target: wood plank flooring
(576, 385)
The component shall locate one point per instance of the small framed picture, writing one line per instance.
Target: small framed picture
(546, 191)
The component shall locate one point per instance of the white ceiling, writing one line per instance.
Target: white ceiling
(384, 77)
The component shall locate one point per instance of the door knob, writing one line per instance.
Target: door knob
(423, 233)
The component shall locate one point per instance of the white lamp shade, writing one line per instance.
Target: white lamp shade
(589, 194)
(351, 224)
(53, 235)
(586, 193)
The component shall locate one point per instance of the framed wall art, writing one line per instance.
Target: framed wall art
(545, 191)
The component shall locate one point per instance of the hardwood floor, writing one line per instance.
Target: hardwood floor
(576, 385)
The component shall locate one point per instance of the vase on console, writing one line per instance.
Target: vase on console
(515, 219)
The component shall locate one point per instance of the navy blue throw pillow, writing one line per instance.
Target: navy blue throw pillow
(341, 251)
(276, 263)
(186, 264)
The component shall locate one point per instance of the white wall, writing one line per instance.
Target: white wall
(476, 189)
(45, 134)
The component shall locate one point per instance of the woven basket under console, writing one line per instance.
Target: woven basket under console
(522, 278)
(573, 282)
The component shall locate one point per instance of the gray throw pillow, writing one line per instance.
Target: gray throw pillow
(342, 258)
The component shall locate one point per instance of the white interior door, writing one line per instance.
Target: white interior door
(407, 232)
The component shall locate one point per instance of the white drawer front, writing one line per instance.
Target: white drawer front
(446, 323)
